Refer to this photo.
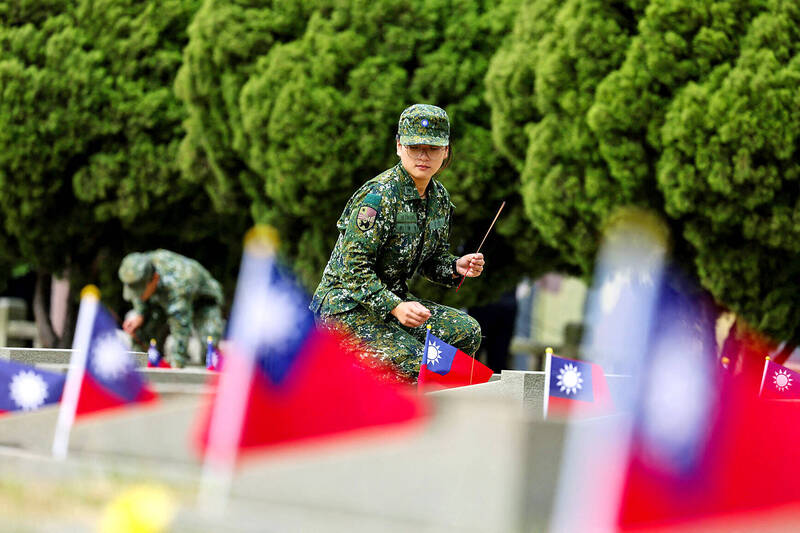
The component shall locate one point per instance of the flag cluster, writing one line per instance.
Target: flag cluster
(694, 441)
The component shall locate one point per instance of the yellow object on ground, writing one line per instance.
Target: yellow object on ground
(140, 509)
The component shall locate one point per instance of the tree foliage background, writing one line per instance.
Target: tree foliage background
(127, 125)
(89, 132)
(684, 107)
(312, 92)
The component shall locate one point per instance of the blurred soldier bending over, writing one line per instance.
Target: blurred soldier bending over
(161, 281)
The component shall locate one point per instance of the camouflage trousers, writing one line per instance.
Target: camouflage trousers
(206, 322)
(402, 347)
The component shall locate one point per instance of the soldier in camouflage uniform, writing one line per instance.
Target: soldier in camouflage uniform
(396, 224)
(163, 282)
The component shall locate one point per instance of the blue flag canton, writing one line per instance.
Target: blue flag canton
(677, 399)
(108, 360)
(439, 355)
(571, 379)
(288, 322)
(26, 388)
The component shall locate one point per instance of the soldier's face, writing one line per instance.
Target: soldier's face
(132, 291)
(420, 160)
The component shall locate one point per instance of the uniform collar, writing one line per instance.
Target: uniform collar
(409, 187)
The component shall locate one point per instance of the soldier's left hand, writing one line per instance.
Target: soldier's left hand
(470, 265)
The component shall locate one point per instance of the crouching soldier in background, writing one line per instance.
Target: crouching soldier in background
(164, 284)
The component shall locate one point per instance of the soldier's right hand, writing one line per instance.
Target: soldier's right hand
(411, 314)
(132, 323)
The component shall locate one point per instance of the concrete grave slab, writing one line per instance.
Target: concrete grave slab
(33, 356)
(470, 468)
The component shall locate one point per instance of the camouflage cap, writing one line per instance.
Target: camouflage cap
(424, 124)
(135, 268)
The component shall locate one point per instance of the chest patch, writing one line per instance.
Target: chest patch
(437, 223)
(366, 218)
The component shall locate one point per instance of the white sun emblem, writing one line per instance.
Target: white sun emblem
(279, 320)
(569, 379)
(433, 353)
(28, 390)
(109, 358)
(782, 379)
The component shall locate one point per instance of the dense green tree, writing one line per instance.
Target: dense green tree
(678, 41)
(297, 112)
(226, 39)
(729, 170)
(89, 132)
(687, 108)
(511, 80)
(540, 86)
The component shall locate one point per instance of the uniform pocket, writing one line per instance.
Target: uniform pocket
(406, 228)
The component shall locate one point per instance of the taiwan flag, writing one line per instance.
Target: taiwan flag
(27, 388)
(574, 388)
(284, 380)
(779, 383)
(102, 374)
(154, 357)
(110, 378)
(213, 356)
(444, 366)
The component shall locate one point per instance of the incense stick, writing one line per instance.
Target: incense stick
(484, 240)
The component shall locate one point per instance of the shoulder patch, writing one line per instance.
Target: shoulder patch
(366, 217)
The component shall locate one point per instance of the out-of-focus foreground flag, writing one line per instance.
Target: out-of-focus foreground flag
(27, 388)
(444, 366)
(678, 409)
(102, 374)
(285, 380)
(779, 382)
(574, 388)
(698, 444)
(620, 310)
(742, 468)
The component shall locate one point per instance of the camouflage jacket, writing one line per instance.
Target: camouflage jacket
(183, 283)
(387, 233)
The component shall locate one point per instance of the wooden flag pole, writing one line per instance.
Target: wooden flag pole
(483, 241)
(471, 368)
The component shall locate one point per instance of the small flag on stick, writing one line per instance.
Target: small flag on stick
(574, 388)
(154, 357)
(213, 356)
(779, 382)
(444, 366)
(484, 239)
(101, 375)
